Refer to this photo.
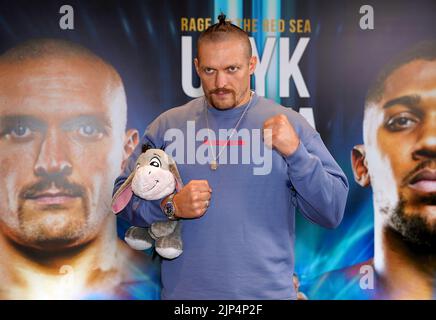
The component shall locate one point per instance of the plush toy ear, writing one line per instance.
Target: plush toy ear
(123, 195)
(173, 169)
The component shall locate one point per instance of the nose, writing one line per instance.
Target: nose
(52, 158)
(220, 79)
(426, 145)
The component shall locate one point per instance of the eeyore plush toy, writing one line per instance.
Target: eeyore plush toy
(155, 177)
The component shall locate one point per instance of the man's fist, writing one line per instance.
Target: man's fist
(278, 133)
(193, 199)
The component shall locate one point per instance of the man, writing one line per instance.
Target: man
(63, 143)
(398, 159)
(238, 222)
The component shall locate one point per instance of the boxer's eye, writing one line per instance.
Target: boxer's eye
(20, 131)
(232, 69)
(209, 70)
(402, 121)
(90, 131)
(20, 128)
(155, 162)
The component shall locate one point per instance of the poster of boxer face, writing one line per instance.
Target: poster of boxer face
(81, 80)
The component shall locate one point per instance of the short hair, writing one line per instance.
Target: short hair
(423, 50)
(223, 30)
(41, 48)
(50, 47)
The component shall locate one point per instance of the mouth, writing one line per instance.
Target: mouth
(156, 182)
(221, 93)
(52, 196)
(424, 181)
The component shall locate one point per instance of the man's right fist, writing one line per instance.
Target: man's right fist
(193, 199)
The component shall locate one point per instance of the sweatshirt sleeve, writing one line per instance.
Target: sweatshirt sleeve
(319, 186)
(140, 212)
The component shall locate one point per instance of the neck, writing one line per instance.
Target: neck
(68, 274)
(246, 99)
(405, 271)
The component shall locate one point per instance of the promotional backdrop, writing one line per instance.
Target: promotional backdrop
(152, 45)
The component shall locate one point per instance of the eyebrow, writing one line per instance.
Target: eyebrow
(226, 67)
(26, 120)
(98, 120)
(409, 101)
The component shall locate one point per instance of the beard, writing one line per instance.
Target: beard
(54, 225)
(414, 227)
(222, 104)
(51, 229)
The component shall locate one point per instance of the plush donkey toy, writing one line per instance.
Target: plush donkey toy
(155, 177)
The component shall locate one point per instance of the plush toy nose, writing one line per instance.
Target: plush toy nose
(145, 178)
(147, 175)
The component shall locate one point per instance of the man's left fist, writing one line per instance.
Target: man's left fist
(278, 133)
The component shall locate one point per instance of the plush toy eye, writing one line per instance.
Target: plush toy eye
(155, 162)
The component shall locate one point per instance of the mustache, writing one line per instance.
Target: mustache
(66, 188)
(427, 164)
(221, 90)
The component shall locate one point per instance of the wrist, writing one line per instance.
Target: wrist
(164, 200)
(169, 207)
(291, 150)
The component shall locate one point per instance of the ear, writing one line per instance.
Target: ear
(197, 68)
(360, 165)
(252, 64)
(173, 169)
(131, 140)
(123, 195)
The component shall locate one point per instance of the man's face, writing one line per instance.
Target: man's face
(61, 149)
(400, 140)
(224, 69)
